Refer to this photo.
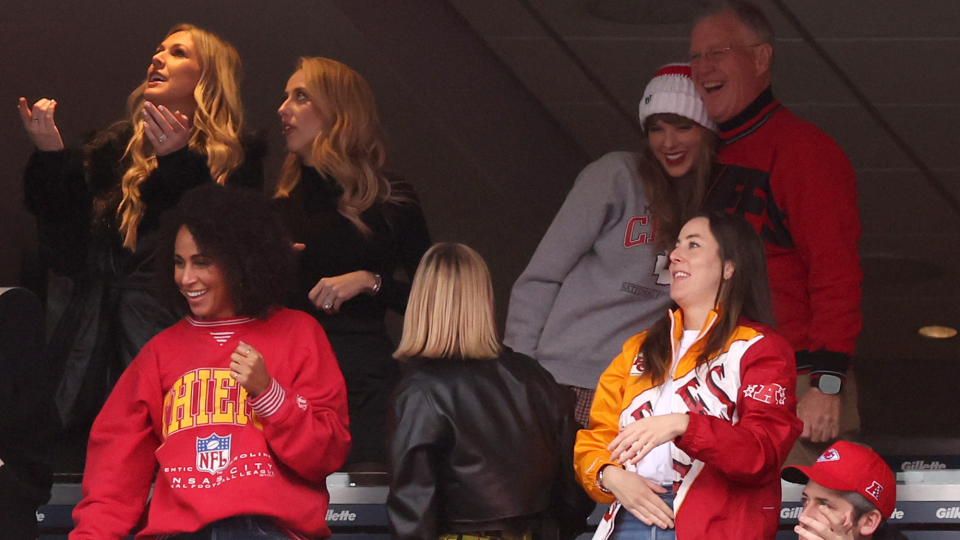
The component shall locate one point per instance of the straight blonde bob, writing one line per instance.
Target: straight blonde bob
(450, 311)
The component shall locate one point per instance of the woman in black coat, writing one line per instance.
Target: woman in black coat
(98, 207)
(483, 437)
(356, 228)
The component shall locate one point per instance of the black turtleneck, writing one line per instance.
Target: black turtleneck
(335, 246)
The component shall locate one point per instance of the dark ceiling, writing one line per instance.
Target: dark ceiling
(493, 107)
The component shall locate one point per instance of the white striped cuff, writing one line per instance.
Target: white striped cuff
(269, 402)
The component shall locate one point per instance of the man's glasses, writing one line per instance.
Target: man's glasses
(715, 55)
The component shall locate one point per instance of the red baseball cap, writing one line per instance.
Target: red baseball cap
(847, 466)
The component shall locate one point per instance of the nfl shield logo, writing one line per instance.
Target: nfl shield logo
(213, 453)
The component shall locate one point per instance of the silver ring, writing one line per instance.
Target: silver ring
(328, 305)
(248, 352)
(162, 138)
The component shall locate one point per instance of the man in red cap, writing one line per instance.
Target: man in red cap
(850, 493)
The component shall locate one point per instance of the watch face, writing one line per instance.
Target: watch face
(829, 384)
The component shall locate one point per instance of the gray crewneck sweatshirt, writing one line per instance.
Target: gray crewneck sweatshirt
(593, 280)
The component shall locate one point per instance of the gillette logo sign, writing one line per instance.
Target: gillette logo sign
(791, 513)
(794, 513)
(343, 515)
(921, 465)
(948, 513)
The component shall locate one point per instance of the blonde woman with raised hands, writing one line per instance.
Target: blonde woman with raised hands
(98, 207)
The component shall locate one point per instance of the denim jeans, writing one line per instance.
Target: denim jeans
(236, 528)
(627, 527)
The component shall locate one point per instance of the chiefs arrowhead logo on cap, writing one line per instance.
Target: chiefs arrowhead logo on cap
(830, 455)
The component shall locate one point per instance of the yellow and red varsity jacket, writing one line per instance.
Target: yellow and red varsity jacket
(743, 422)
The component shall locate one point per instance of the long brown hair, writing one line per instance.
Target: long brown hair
(351, 146)
(214, 131)
(673, 201)
(746, 293)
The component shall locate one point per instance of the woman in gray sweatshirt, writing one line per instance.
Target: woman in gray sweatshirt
(599, 274)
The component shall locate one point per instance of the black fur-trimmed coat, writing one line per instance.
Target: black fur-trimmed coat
(99, 292)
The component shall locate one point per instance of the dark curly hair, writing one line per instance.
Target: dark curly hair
(237, 229)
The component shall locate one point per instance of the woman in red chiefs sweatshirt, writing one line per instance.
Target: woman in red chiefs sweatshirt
(241, 404)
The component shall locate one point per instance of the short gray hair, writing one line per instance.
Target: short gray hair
(748, 14)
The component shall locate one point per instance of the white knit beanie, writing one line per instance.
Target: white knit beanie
(672, 91)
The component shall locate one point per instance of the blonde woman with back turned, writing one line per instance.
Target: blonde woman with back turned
(483, 436)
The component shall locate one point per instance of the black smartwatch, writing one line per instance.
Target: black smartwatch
(829, 384)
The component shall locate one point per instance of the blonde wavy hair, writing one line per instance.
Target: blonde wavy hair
(351, 147)
(215, 130)
(450, 311)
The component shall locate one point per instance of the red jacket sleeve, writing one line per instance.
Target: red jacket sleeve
(756, 446)
(304, 413)
(121, 455)
(817, 189)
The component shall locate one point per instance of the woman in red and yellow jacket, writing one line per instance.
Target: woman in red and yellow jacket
(693, 420)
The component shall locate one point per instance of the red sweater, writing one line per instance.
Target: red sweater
(219, 453)
(797, 188)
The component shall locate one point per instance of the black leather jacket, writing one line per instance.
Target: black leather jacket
(481, 445)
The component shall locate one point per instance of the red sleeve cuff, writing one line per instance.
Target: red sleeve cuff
(269, 402)
(686, 441)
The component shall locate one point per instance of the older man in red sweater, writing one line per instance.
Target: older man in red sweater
(797, 188)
